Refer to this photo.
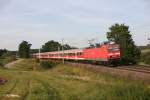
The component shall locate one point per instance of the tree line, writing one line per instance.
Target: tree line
(6, 56)
(118, 33)
(25, 48)
(3, 51)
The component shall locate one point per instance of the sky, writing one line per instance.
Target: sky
(75, 21)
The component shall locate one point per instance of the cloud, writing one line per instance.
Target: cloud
(4, 3)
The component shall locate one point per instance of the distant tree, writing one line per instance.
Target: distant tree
(120, 33)
(34, 51)
(51, 46)
(24, 49)
(2, 51)
(55, 46)
(68, 47)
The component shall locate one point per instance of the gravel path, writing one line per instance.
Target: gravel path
(12, 63)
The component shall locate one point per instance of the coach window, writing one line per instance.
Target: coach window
(60, 54)
(113, 49)
(79, 53)
(65, 54)
(71, 54)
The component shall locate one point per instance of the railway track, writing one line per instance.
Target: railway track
(134, 68)
(136, 72)
(142, 69)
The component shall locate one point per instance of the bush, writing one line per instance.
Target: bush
(48, 64)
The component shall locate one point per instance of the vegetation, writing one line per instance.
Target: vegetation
(34, 51)
(145, 50)
(64, 82)
(120, 33)
(51, 46)
(55, 46)
(3, 51)
(145, 57)
(48, 64)
(24, 49)
(6, 57)
(144, 47)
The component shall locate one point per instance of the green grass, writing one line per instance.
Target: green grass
(65, 82)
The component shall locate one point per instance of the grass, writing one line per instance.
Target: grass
(5, 60)
(145, 57)
(145, 50)
(64, 82)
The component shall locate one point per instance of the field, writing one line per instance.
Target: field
(145, 50)
(145, 57)
(27, 80)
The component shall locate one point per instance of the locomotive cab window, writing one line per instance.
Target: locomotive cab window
(113, 49)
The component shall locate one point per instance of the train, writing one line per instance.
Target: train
(107, 53)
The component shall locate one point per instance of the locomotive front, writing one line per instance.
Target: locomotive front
(113, 53)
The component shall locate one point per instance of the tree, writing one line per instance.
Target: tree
(24, 49)
(55, 46)
(3, 51)
(120, 34)
(51, 46)
(68, 47)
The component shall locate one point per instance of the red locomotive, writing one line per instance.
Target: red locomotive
(106, 53)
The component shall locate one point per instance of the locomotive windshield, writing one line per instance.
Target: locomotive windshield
(113, 48)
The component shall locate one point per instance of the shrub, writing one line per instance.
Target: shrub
(48, 64)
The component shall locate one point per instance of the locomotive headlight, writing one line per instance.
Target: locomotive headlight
(118, 53)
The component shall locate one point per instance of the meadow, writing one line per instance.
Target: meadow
(145, 57)
(27, 80)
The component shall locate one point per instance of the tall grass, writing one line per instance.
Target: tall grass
(48, 64)
(64, 82)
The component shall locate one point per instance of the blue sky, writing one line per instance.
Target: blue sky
(76, 21)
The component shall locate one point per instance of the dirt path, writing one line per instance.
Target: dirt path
(12, 63)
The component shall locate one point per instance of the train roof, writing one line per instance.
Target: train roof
(65, 51)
